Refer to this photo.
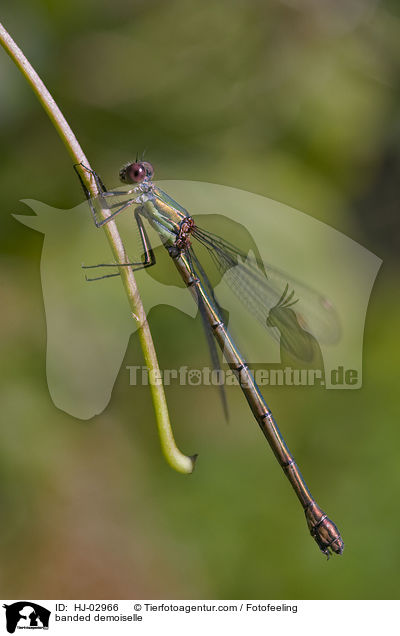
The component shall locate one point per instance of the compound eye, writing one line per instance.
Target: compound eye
(149, 169)
(133, 173)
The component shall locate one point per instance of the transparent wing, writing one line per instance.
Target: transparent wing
(289, 309)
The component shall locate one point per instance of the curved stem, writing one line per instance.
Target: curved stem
(180, 462)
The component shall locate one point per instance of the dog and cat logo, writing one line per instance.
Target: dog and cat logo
(26, 615)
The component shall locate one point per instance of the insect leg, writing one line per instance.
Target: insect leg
(103, 192)
(149, 258)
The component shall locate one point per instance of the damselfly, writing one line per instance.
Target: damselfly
(181, 235)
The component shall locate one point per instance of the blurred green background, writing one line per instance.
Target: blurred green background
(295, 100)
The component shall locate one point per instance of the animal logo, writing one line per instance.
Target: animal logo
(25, 615)
(298, 347)
(89, 324)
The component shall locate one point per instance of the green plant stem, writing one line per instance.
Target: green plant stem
(180, 462)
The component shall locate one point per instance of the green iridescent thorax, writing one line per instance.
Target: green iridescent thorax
(165, 215)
